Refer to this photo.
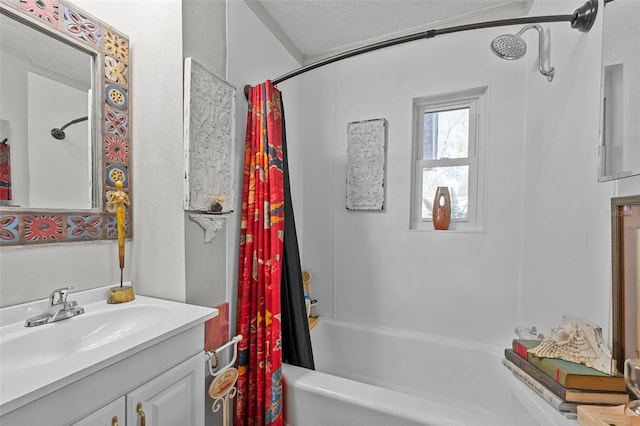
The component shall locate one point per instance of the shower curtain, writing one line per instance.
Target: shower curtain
(271, 309)
(5, 171)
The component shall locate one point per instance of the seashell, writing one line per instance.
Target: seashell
(578, 341)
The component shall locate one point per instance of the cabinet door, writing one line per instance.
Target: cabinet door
(112, 414)
(174, 398)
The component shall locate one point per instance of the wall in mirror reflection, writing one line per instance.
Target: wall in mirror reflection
(65, 182)
(620, 150)
(38, 95)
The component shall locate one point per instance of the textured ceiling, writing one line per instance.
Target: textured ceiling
(319, 27)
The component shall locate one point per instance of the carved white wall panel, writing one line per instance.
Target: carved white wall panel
(209, 116)
(366, 164)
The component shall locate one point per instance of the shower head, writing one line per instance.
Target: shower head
(513, 46)
(58, 133)
(509, 46)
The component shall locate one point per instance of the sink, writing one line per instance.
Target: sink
(35, 361)
(101, 324)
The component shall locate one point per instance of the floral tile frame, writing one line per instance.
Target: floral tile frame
(63, 20)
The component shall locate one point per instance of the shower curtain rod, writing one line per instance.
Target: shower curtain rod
(581, 19)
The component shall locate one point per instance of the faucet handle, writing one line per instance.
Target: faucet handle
(59, 295)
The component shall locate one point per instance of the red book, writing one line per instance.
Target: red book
(569, 374)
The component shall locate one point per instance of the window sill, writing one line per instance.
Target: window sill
(455, 227)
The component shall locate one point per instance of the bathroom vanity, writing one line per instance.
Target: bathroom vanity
(136, 363)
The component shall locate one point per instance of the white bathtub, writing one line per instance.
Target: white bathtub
(380, 377)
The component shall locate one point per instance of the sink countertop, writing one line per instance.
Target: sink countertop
(35, 361)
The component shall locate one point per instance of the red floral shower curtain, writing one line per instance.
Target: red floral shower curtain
(259, 399)
(5, 171)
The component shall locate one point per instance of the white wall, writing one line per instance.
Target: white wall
(369, 267)
(206, 264)
(204, 33)
(567, 233)
(546, 251)
(155, 257)
(59, 170)
(159, 241)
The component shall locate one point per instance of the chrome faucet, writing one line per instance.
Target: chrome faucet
(59, 309)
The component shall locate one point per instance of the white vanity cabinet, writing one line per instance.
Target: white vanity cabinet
(90, 369)
(171, 395)
(174, 398)
(171, 399)
(112, 414)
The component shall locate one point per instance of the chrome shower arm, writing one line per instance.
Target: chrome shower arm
(77, 120)
(551, 71)
(58, 133)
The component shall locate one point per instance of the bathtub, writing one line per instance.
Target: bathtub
(381, 377)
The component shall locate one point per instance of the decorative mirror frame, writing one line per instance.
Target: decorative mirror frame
(64, 21)
(619, 210)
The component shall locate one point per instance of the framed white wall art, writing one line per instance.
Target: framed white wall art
(209, 132)
(366, 156)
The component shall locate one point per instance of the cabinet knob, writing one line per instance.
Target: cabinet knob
(143, 419)
(114, 421)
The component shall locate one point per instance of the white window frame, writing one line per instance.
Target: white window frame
(476, 100)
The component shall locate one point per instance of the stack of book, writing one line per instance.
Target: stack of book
(563, 384)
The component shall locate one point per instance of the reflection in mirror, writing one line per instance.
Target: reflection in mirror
(620, 128)
(625, 250)
(46, 83)
(72, 71)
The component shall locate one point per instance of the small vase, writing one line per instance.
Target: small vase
(441, 209)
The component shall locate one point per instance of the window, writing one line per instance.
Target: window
(448, 151)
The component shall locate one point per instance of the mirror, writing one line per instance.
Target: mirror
(64, 123)
(625, 256)
(45, 84)
(619, 151)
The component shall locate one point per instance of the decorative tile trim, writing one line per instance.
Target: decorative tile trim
(9, 228)
(116, 97)
(115, 70)
(45, 10)
(116, 149)
(116, 45)
(84, 227)
(65, 20)
(43, 228)
(110, 226)
(117, 172)
(78, 25)
(116, 123)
